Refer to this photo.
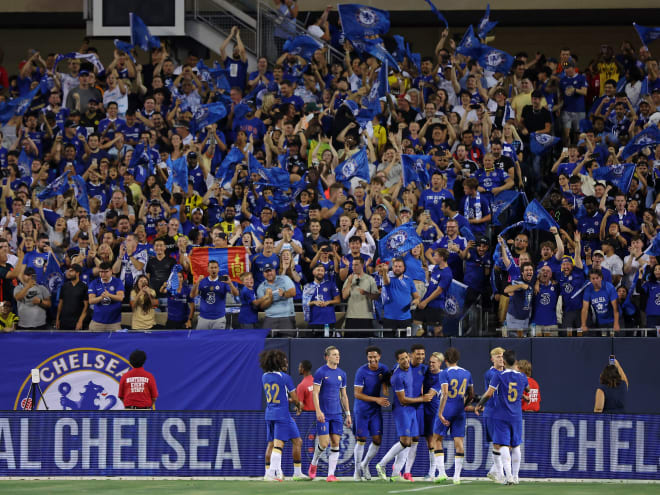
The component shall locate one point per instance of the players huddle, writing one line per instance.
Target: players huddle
(427, 402)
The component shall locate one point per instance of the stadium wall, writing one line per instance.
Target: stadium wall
(225, 444)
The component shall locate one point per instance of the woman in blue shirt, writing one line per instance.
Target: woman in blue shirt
(180, 306)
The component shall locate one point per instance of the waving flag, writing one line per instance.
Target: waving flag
(455, 299)
(377, 49)
(356, 166)
(276, 177)
(140, 35)
(234, 156)
(537, 217)
(173, 279)
(207, 115)
(55, 188)
(92, 58)
(648, 137)
(141, 156)
(219, 77)
(647, 34)
(470, 46)
(80, 191)
(17, 106)
(541, 143)
(508, 109)
(620, 175)
(24, 164)
(126, 47)
(240, 111)
(415, 169)
(177, 173)
(507, 207)
(654, 248)
(398, 242)
(304, 46)
(54, 278)
(495, 60)
(46, 83)
(485, 25)
(361, 21)
(232, 261)
(437, 13)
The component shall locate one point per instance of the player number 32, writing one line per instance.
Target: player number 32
(272, 391)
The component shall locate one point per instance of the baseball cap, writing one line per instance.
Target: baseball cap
(197, 210)
(568, 259)
(83, 235)
(154, 202)
(598, 251)
(111, 214)
(192, 154)
(70, 123)
(405, 208)
(76, 268)
(482, 240)
(30, 271)
(311, 107)
(569, 63)
(382, 205)
(83, 73)
(267, 267)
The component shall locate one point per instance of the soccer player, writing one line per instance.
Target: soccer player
(457, 390)
(330, 401)
(418, 370)
(280, 426)
(405, 417)
(511, 385)
(370, 390)
(432, 383)
(497, 367)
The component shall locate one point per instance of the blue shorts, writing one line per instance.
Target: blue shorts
(368, 422)
(281, 429)
(334, 425)
(419, 409)
(429, 420)
(488, 423)
(456, 429)
(507, 432)
(405, 420)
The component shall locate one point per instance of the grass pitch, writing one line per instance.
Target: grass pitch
(318, 487)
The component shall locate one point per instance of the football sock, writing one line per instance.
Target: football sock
(412, 453)
(515, 461)
(396, 448)
(431, 461)
(458, 464)
(506, 461)
(497, 462)
(276, 460)
(358, 452)
(440, 462)
(371, 453)
(297, 468)
(400, 461)
(318, 452)
(332, 461)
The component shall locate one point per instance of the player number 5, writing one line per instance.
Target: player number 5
(513, 392)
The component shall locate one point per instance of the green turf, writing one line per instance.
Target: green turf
(320, 487)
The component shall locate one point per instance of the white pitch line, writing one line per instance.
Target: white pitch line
(422, 488)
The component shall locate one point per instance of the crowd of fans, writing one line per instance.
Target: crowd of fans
(301, 116)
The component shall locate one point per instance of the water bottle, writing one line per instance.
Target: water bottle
(532, 330)
(326, 331)
(408, 331)
(505, 333)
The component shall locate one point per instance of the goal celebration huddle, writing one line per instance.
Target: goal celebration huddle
(428, 399)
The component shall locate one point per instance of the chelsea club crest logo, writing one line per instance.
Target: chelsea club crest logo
(366, 16)
(81, 379)
(543, 139)
(397, 240)
(349, 168)
(451, 305)
(494, 58)
(531, 218)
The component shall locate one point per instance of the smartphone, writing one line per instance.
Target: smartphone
(565, 149)
(225, 278)
(612, 359)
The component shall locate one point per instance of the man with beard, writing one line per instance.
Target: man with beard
(73, 305)
(520, 294)
(400, 295)
(319, 297)
(561, 214)
(571, 280)
(159, 268)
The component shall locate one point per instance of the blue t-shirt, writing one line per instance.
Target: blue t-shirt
(490, 180)
(38, 261)
(469, 209)
(600, 301)
(178, 307)
(520, 303)
(574, 102)
(326, 203)
(107, 311)
(277, 386)
(458, 380)
(237, 72)
(414, 268)
(213, 294)
(331, 382)
(432, 201)
(258, 261)
(440, 277)
(569, 286)
(510, 385)
(248, 314)
(401, 381)
(397, 297)
(488, 408)
(325, 291)
(455, 261)
(371, 382)
(652, 290)
(475, 270)
(545, 305)
(432, 382)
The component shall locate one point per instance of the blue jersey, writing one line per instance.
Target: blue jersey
(397, 297)
(248, 314)
(418, 373)
(440, 277)
(178, 308)
(106, 311)
(475, 270)
(371, 382)
(402, 381)
(432, 382)
(331, 382)
(323, 292)
(545, 305)
(601, 302)
(277, 386)
(458, 381)
(510, 385)
(569, 286)
(652, 291)
(257, 263)
(432, 201)
(213, 294)
(488, 408)
(414, 268)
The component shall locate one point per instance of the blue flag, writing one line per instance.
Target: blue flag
(178, 173)
(55, 188)
(383, 80)
(276, 177)
(304, 46)
(620, 175)
(140, 35)
(377, 49)
(470, 46)
(361, 21)
(240, 111)
(17, 106)
(648, 137)
(455, 299)
(485, 25)
(400, 52)
(415, 169)
(647, 34)
(254, 167)
(356, 166)
(541, 143)
(234, 156)
(495, 60)
(536, 217)
(219, 77)
(207, 115)
(507, 207)
(126, 47)
(92, 58)
(46, 83)
(24, 164)
(399, 241)
(80, 191)
(437, 13)
(54, 278)
(654, 248)
(173, 279)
